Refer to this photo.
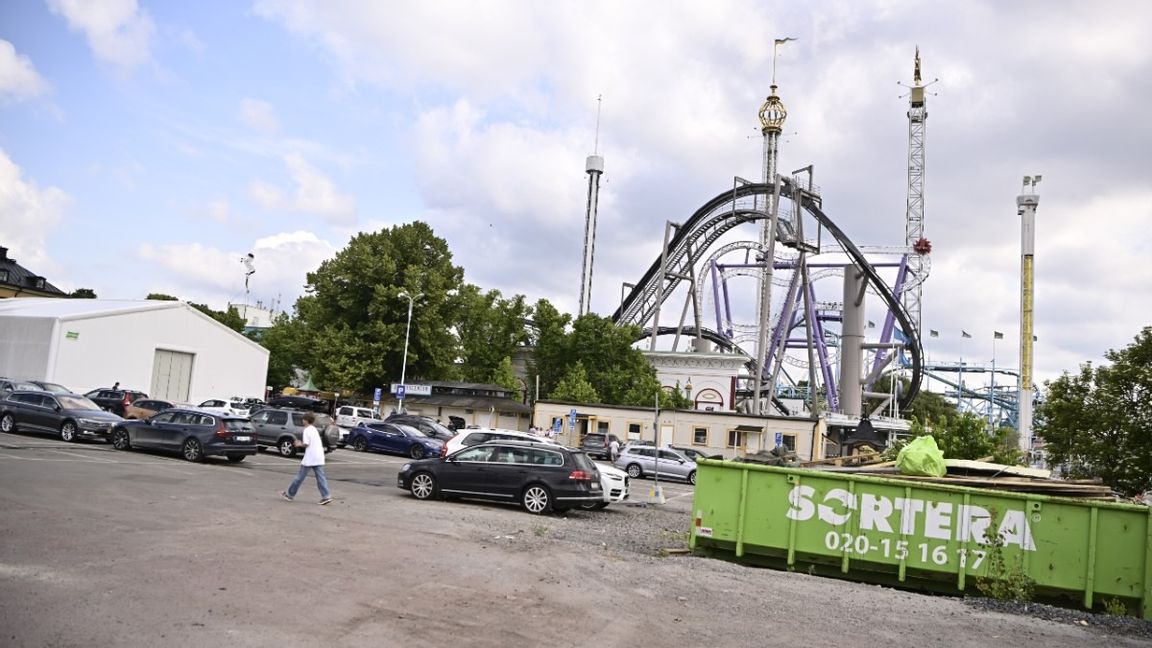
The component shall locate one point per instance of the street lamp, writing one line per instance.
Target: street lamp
(407, 332)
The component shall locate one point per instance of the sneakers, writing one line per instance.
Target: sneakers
(326, 500)
(285, 495)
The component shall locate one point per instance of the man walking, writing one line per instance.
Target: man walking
(314, 459)
(613, 450)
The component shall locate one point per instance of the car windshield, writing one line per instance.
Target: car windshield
(77, 403)
(583, 462)
(55, 388)
(410, 431)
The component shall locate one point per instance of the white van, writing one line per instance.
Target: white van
(348, 416)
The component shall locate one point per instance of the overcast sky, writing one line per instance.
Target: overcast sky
(148, 146)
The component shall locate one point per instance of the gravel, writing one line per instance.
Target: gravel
(1105, 624)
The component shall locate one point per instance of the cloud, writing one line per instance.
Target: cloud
(118, 31)
(29, 215)
(312, 192)
(259, 115)
(218, 210)
(199, 272)
(18, 77)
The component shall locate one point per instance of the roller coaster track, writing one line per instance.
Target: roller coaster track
(737, 207)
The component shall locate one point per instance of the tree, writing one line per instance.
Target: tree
(489, 329)
(1098, 423)
(354, 320)
(83, 293)
(230, 318)
(964, 435)
(161, 297)
(287, 349)
(574, 387)
(504, 376)
(549, 338)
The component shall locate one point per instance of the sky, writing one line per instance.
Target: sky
(149, 146)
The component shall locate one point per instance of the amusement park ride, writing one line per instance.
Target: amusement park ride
(810, 346)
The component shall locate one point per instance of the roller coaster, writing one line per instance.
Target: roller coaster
(709, 253)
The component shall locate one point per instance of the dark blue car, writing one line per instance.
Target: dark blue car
(393, 438)
(192, 433)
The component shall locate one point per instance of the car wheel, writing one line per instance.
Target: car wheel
(634, 471)
(192, 450)
(360, 444)
(120, 439)
(692, 478)
(416, 451)
(536, 499)
(68, 431)
(423, 486)
(599, 505)
(7, 423)
(286, 447)
(235, 458)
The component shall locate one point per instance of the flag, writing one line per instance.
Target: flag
(1033, 338)
(933, 333)
(964, 334)
(781, 41)
(898, 335)
(871, 324)
(997, 335)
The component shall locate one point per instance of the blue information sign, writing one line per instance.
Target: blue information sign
(572, 419)
(376, 394)
(779, 439)
(400, 392)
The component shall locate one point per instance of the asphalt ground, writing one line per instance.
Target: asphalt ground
(106, 548)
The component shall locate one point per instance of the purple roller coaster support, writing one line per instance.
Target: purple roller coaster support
(822, 353)
(716, 296)
(890, 319)
(784, 324)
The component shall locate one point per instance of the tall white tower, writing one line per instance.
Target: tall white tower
(594, 167)
(918, 246)
(1026, 204)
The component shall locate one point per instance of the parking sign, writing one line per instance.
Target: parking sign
(400, 392)
(779, 439)
(572, 419)
(376, 394)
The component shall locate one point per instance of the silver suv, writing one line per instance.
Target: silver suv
(282, 428)
(645, 461)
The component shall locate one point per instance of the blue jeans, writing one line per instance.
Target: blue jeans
(321, 481)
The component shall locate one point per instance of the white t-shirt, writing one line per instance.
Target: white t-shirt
(313, 447)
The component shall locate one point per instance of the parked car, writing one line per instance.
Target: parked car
(425, 424)
(694, 454)
(349, 416)
(195, 434)
(395, 438)
(9, 385)
(220, 406)
(71, 416)
(596, 444)
(299, 402)
(114, 400)
(645, 461)
(146, 407)
(613, 485)
(282, 428)
(474, 436)
(538, 476)
(456, 423)
(55, 388)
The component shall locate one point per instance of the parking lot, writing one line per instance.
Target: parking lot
(100, 547)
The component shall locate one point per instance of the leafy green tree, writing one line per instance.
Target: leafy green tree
(287, 346)
(230, 318)
(965, 435)
(549, 339)
(354, 318)
(83, 293)
(161, 297)
(1098, 423)
(574, 387)
(489, 329)
(504, 376)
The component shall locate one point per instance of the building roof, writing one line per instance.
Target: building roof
(16, 277)
(79, 309)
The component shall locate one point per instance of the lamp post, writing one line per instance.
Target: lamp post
(407, 332)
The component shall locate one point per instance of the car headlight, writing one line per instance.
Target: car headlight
(405, 467)
(92, 422)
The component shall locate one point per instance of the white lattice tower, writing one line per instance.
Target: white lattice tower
(914, 233)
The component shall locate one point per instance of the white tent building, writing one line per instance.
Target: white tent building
(165, 348)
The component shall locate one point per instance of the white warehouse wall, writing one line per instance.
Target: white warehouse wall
(122, 347)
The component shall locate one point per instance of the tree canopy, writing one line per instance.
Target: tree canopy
(1098, 422)
(83, 293)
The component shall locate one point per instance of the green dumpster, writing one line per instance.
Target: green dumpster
(924, 536)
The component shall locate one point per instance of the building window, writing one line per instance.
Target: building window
(602, 427)
(789, 442)
(4, 275)
(709, 399)
(737, 438)
(634, 430)
(700, 436)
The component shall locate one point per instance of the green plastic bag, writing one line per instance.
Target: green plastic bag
(921, 457)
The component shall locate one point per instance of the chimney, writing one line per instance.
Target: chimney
(3, 254)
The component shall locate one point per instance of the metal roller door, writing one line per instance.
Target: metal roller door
(171, 375)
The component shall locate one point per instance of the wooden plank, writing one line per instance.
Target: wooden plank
(998, 469)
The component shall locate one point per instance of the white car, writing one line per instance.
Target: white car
(472, 436)
(348, 416)
(613, 484)
(229, 407)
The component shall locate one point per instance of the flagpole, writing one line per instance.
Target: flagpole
(992, 388)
